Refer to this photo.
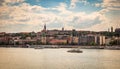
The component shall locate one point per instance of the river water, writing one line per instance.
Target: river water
(29, 58)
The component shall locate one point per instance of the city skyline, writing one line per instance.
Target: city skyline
(31, 15)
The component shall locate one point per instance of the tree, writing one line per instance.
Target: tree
(92, 43)
(115, 42)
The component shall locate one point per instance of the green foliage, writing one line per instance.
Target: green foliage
(17, 43)
(92, 43)
(110, 34)
(74, 33)
(2, 43)
(115, 42)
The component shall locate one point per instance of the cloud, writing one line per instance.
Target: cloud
(107, 22)
(105, 26)
(11, 2)
(1, 1)
(26, 17)
(25, 14)
(14, 1)
(83, 20)
(113, 4)
(74, 2)
(109, 4)
(62, 8)
(97, 4)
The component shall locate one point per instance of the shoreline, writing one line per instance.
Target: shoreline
(64, 46)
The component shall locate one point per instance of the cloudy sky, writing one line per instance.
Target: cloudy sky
(31, 15)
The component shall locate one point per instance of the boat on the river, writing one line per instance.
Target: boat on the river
(75, 51)
(38, 47)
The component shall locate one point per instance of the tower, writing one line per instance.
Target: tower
(62, 28)
(43, 37)
(111, 29)
(44, 27)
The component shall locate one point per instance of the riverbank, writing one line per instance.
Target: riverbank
(65, 46)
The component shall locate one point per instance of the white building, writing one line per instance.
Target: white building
(92, 39)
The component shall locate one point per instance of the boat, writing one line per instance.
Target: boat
(51, 46)
(27, 45)
(38, 47)
(75, 51)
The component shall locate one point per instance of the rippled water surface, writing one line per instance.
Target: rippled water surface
(29, 58)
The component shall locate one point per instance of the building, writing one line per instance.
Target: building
(117, 30)
(91, 40)
(4, 38)
(43, 35)
(100, 40)
(82, 40)
(58, 41)
(108, 40)
(2, 34)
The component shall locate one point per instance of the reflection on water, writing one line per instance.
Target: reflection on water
(28, 58)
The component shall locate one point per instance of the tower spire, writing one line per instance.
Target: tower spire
(44, 26)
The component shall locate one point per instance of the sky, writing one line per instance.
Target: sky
(31, 15)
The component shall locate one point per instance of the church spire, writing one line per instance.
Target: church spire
(45, 27)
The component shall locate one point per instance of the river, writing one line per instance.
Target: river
(29, 58)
